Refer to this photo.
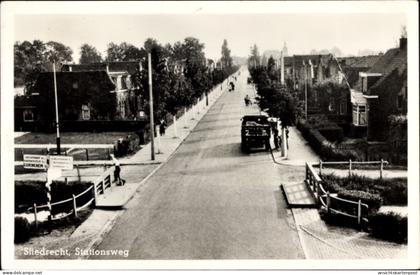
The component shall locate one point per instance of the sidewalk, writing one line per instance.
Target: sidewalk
(322, 241)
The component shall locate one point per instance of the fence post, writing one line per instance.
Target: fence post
(74, 206)
(65, 180)
(320, 167)
(359, 212)
(103, 187)
(382, 169)
(328, 202)
(109, 154)
(78, 173)
(350, 168)
(87, 154)
(95, 196)
(35, 216)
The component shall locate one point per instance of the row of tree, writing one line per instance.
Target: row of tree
(181, 72)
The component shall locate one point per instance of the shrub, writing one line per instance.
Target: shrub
(23, 230)
(374, 201)
(127, 145)
(392, 191)
(389, 226)
(332, 134)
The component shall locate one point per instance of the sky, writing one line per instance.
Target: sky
(350, 32)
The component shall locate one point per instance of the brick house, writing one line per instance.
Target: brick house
(80, 98)
(128, 100)
(384, 89)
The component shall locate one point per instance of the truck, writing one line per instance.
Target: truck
(255, 132)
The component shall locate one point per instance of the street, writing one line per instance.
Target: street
(210, 200)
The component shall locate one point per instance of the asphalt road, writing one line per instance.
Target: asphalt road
(210, 200)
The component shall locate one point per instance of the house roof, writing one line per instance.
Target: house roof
(357, 97)
(288, 60)
(101, 78)
(316, 59)
(359, 61)
(394, 60)
(120, 66)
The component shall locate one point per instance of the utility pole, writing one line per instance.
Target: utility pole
(152, 123)
(306, 92)
(56, 111)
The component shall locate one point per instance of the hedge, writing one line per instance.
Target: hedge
(374, 201)
(389, 226)
(332, 134)
(393, 191)
(23, 230)
(323, 147)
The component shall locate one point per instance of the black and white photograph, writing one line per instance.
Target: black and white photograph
(208, 135)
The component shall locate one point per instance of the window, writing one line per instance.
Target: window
(28, 115)
(75, 85)
(85, 112)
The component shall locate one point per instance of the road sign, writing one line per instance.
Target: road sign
(61, 162)
(35, 162)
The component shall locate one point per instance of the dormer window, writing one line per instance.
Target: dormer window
(368, 80)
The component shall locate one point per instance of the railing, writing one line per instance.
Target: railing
(351, 163)
(330, 202)
(70, 205)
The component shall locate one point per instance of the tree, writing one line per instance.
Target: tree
(254, 59)
(123, 52)
(226, 58)
(57, 52)
(89, 54)
(33, 58)
(271, 69)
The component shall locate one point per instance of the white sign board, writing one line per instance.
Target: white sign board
(61, 162)
(35, 162)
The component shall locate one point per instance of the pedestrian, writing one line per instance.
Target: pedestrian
(247, 100)
(287, 137)
(276, 137)
(162, 127)
(117, 171)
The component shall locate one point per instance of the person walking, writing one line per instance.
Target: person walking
(117, 171)
(162, 127)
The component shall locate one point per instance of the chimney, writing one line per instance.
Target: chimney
(403, 43)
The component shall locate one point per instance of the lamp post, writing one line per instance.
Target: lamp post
(152, 123)
(306, 91)
(56, 111)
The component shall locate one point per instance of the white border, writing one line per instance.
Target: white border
(10, 9)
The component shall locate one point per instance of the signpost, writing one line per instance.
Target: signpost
(54, 170)
(35, 162)
(61, 162)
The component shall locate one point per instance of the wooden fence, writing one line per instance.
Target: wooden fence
(98, 187)
(329, 201)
